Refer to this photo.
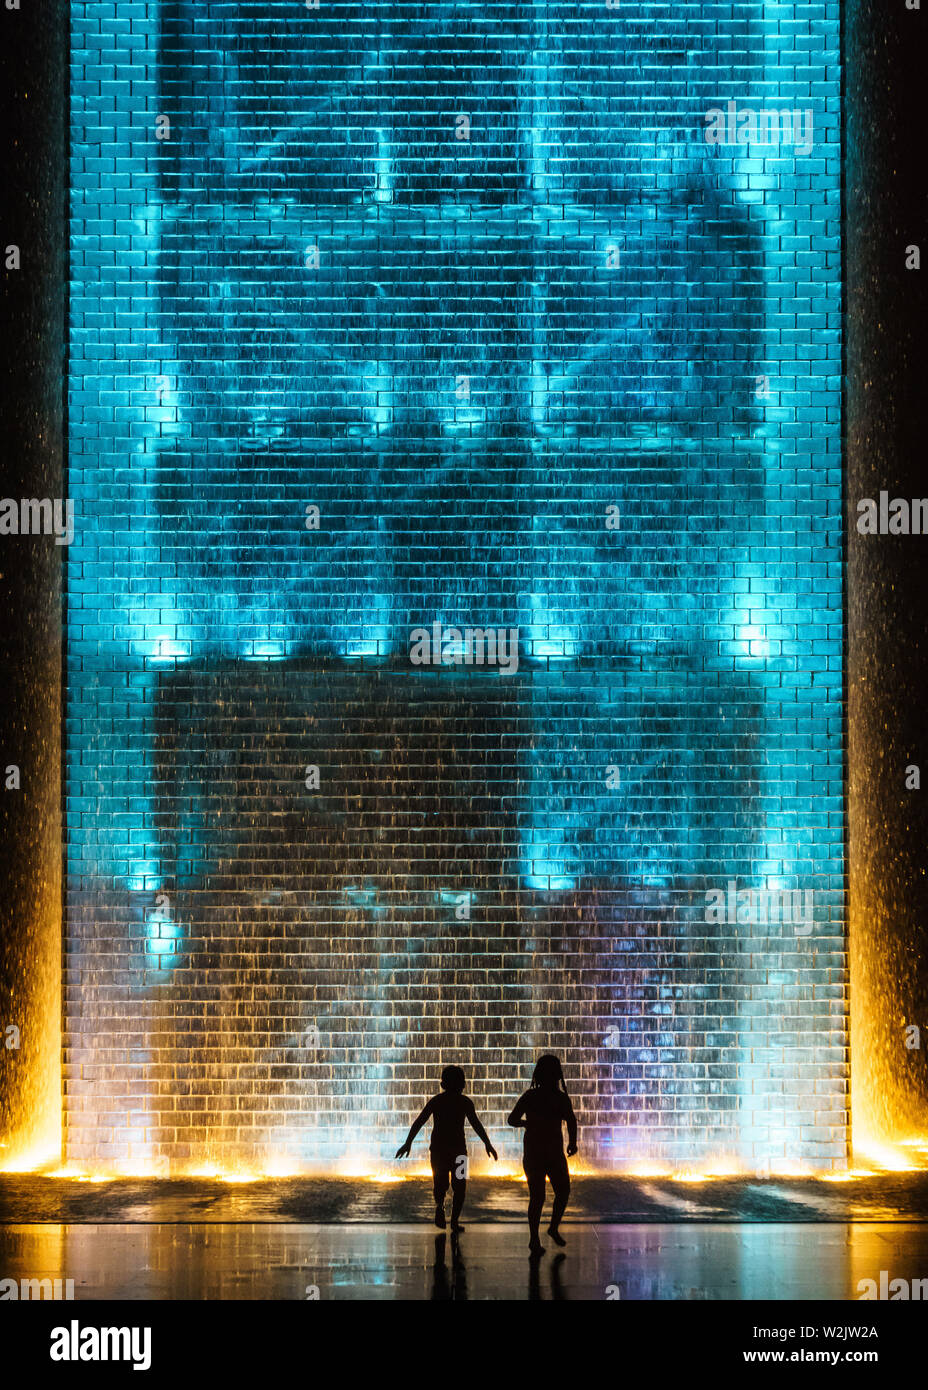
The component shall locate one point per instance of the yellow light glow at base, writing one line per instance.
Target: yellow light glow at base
(218, 1174)
(889, 1105)
(282, 1168)
(890, 1158)
(277, 1172)
(873, 1160)
(77, 1174)
(720, 1169)
(40, 1155)
(686, 1176)
(354, 1166)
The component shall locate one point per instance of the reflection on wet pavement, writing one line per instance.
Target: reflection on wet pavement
(30, 1197)
(488, 1261)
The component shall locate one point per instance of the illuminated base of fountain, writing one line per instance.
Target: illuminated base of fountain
(871, 1160)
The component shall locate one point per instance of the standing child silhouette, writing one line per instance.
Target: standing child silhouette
(542, 1110)
(448, 1149)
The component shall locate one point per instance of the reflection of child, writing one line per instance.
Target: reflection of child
(448, 1149)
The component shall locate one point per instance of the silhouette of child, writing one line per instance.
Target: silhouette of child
(448, 1149)
(543, 1111)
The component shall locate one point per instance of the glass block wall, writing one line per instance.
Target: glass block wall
(455, 605)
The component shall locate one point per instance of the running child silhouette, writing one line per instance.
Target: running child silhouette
(543, 1111)
(448, 1149)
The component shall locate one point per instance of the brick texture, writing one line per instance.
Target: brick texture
(471, 280)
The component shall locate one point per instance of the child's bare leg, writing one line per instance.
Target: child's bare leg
(536, 1200)
(439, 1188)
(560, 1182)
(458, 1193)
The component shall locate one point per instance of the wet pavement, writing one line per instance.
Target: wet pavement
(326, 1238)
(488, 1261)
(26, 1198)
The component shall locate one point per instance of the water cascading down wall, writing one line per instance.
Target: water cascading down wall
(454, 317)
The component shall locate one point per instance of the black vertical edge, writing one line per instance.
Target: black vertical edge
(845, 737)
(886, 399)
(65, 22)
(34, 158)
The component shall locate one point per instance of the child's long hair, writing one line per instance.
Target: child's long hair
(549, 1073)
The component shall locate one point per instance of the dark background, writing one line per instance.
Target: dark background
(33, 199)
(887, 665)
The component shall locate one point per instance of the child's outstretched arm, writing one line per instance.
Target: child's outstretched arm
(479, 1130)
(418, 1122)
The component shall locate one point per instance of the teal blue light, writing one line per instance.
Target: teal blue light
(583, 306)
